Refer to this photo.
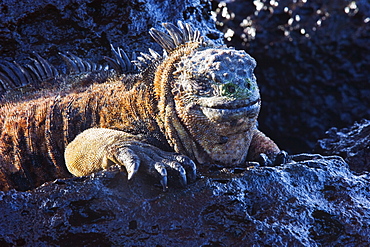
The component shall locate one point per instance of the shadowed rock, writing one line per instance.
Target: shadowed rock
(353, 144)
(88, 27)
(307, 203)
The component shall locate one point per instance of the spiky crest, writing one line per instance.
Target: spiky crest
(13, 75)
(145, 59)
(78, 65)
(177, 35)
(121, 62)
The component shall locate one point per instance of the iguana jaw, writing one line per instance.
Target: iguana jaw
(231, 112)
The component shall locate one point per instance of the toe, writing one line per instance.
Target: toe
(263, 160)
(161, 169)
(189, 166)
(281, 158)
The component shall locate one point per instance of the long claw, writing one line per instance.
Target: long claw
(164, 183)
(131, 171)
(263, 160)
(281, 158)
(183, 179)
(127, 158)
(190, 167)
(163, 173)
(180, 169)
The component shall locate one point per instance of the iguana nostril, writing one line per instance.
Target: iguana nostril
(231, 88)
(248, 84)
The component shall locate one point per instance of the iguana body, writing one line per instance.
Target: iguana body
(199, 101)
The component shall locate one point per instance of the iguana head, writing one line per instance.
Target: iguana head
(220, 82)
(208, 96)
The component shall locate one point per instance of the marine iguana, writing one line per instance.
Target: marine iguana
(197, 102)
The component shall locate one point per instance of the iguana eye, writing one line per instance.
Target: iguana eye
(228, 89)
(248, 84)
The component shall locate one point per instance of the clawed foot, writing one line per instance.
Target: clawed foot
(279, 159)
(137, 156)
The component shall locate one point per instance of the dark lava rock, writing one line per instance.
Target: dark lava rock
(353, 144)
(312, 63)
(314, 202)
(86, 28)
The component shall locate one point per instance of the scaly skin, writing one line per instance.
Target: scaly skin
(199, 103)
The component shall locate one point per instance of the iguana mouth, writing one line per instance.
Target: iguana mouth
(231, 111)
(235, 104)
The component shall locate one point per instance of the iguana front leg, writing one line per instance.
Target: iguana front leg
(96, 149)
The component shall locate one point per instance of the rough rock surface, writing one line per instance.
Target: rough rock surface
(353, 144)
(313, 63)
(87, 27)
(307, 203)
